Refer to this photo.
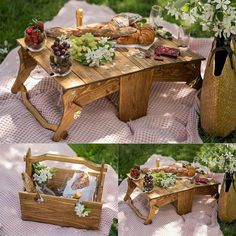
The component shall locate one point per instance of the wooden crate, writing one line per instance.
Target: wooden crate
(59, 210)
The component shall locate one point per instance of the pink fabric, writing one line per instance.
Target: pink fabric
(11, 166)
(172, 112)
(202, 221)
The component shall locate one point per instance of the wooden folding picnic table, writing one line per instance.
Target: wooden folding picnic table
(181, 194)
(128, 73)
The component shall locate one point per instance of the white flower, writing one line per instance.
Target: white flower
(42, 176)
(3, 50)
(221, 4)
(173, 11)
(189, 18)
(217, 30)
(81, 211)
(103, 40)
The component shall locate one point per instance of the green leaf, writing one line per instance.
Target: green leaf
(186, 8)
(180, 3)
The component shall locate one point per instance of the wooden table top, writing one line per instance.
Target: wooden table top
(126, 62)
(182, 184)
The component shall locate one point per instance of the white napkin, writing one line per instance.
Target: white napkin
(87, 192)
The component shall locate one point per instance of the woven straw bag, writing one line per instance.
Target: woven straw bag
(218, 97)
(227, 203)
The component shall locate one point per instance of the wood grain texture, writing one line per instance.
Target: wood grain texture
(181, 194)
(87, 94)
(136, 210)
(59, 211)
(56, 209)
(134, 95)
(68, 159)
(153, 210)
(37, 115)
(128, 73)
(184, 202)
(27, 64)
(131, 187)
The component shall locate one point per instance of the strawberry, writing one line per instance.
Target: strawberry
(29, 30)
(40, 38)
(39, 25)
(28, 40)
(35, 36)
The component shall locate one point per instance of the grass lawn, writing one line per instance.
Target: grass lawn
(139, 154)
(15, 15)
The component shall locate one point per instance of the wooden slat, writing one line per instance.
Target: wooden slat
(184, 202)
(131, 54)
(134, 94)
(42, 58)
(59, 211)
(68, 159)
(35, 112)
(91, 92)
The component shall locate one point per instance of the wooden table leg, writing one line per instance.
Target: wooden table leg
(71, 112)
(153, 210)
(134, 94)
(131, 187)
(27, 64)
(184, 202)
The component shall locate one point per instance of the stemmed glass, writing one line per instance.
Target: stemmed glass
(156, 16)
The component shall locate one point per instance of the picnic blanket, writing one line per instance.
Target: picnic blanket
(11, 167)
(172, 115)
(202, 221)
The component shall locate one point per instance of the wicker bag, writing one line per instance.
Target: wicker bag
(218, 96)
(227, 202)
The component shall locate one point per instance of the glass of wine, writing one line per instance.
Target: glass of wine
(156, 16)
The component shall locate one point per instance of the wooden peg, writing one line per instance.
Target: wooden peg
(79, 17)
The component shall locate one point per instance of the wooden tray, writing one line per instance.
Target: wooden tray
(59, 210)
(181, 194)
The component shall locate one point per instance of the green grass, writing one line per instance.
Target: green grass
(114, 228)
(228, 229)
(15, 15)
(207, 138)
(139, 154)
(98, 152)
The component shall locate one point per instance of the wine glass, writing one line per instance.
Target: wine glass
(183, 39)
(156, 16)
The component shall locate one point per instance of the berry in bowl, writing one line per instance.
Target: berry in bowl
(35, 36)
(148, 182)
(135, 172)
(60, 60)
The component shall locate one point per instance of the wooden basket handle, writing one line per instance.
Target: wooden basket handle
(29, 160)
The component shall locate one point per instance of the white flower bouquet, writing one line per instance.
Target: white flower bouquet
(42, 174)
(91, 52)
